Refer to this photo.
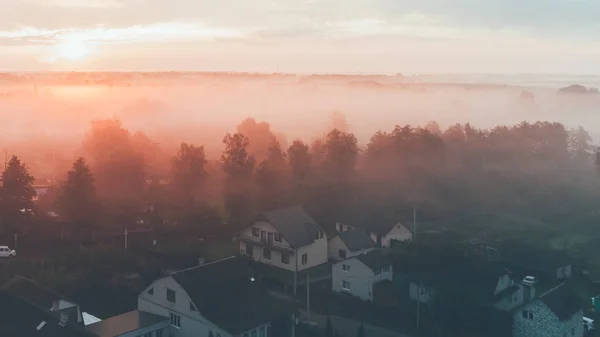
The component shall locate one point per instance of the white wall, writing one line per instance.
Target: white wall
(275, 260)
(192, 323)
(267, 227)
(316, 252)
(359, 276)
(398, 232)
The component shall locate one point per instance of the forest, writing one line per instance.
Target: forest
(534, 182)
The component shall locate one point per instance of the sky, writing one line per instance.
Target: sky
(330, 36)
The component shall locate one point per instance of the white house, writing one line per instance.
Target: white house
(218, 299)
(558, 312)
(347, 244)
(357, 275)
(286, 238)
(381, 230)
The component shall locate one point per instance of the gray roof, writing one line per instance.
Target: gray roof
(357, 240)
(223, 293)
(374, 220)
(563, 301)
(296, 226)
(127, 322)
(375, 259)
(32, 291)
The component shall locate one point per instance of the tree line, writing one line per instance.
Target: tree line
(508, 177)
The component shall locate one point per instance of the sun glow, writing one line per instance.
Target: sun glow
(73, 50)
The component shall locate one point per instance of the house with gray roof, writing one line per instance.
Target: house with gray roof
(287, 238)
(217, 299)
(350, 243)
(383, 226)
(358, 275)
(557, 312)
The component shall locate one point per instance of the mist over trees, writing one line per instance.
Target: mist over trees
(509, 181)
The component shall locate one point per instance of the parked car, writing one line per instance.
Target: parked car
(7, 252)
(588, 324)
(530, 280)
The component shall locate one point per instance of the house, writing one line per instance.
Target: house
(347, 244)
(286, 238)
(382, 228)
(557, 312)
(23, 318)
(132, 324)
(43, 297)
(217, 299)
(359, 274)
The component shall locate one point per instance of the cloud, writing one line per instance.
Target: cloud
(78, 3)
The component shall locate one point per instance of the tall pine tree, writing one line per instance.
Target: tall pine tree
(16, 193)
(77, 201)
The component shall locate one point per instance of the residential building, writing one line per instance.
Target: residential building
(382, 229)
(132, 324)
(44, 297)
(358, 275)
(20, 317)
(557, 312)
(217, 299)
(287, 238)
(547, 265)
(347, 244)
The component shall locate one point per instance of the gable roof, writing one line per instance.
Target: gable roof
(20, 317)
(375, 259)
(357, 240)
(376, 221)
(127, 322)
(223, 292)
(296, 226)
(562, 300)
(32, 291)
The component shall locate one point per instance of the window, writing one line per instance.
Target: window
(255, 232)
(524, 314)
(320, 235)
(210, 333)
(345, 285)
(253, 333)
(159, 333)
(151, 291)
(342, 254)
(175, 320)
(377, 272)
(278, 237)
(530, 315)
(170, 295)
(250, 250)
(192, 307)
(572, 331)
(345, 267)
(261, 332)
(304, 258)
(270, 237)
(267, 253)
(285, 258)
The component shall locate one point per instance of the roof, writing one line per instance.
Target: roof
(223, 292)
(127, 322)
(532, 258)
(375, 259)
(296, 226)
(357, 240)
(20, 317)
(32, 291)
(562, 300)
(373, 220)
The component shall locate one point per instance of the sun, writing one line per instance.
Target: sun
(73, 50)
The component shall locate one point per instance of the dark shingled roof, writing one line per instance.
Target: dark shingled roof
(21, 318)
(373, 220)
(375, 259)
(127, 322)
(223, 293)
(357, 240)
(296, 226)
(32, 291)
(563, 301)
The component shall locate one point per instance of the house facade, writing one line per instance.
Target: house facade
(382, 233)
(347, 244)
(358, 275)
(286, 238)
(218, 299)
(557, 312)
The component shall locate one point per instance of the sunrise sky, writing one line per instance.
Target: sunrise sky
(372, 36)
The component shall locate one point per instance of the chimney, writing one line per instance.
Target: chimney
(64, 318)
(55, 306)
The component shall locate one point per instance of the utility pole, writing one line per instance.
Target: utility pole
(414, 223)
(418, 304)
(125, 238)
(16, 241)
(296, 274)
(308, 296)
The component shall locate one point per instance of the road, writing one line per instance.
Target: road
(348, 328)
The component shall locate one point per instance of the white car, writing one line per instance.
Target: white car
(588, 324)
(530, 280)
(7, 252)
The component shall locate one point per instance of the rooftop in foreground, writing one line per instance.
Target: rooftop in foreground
(127, 322)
